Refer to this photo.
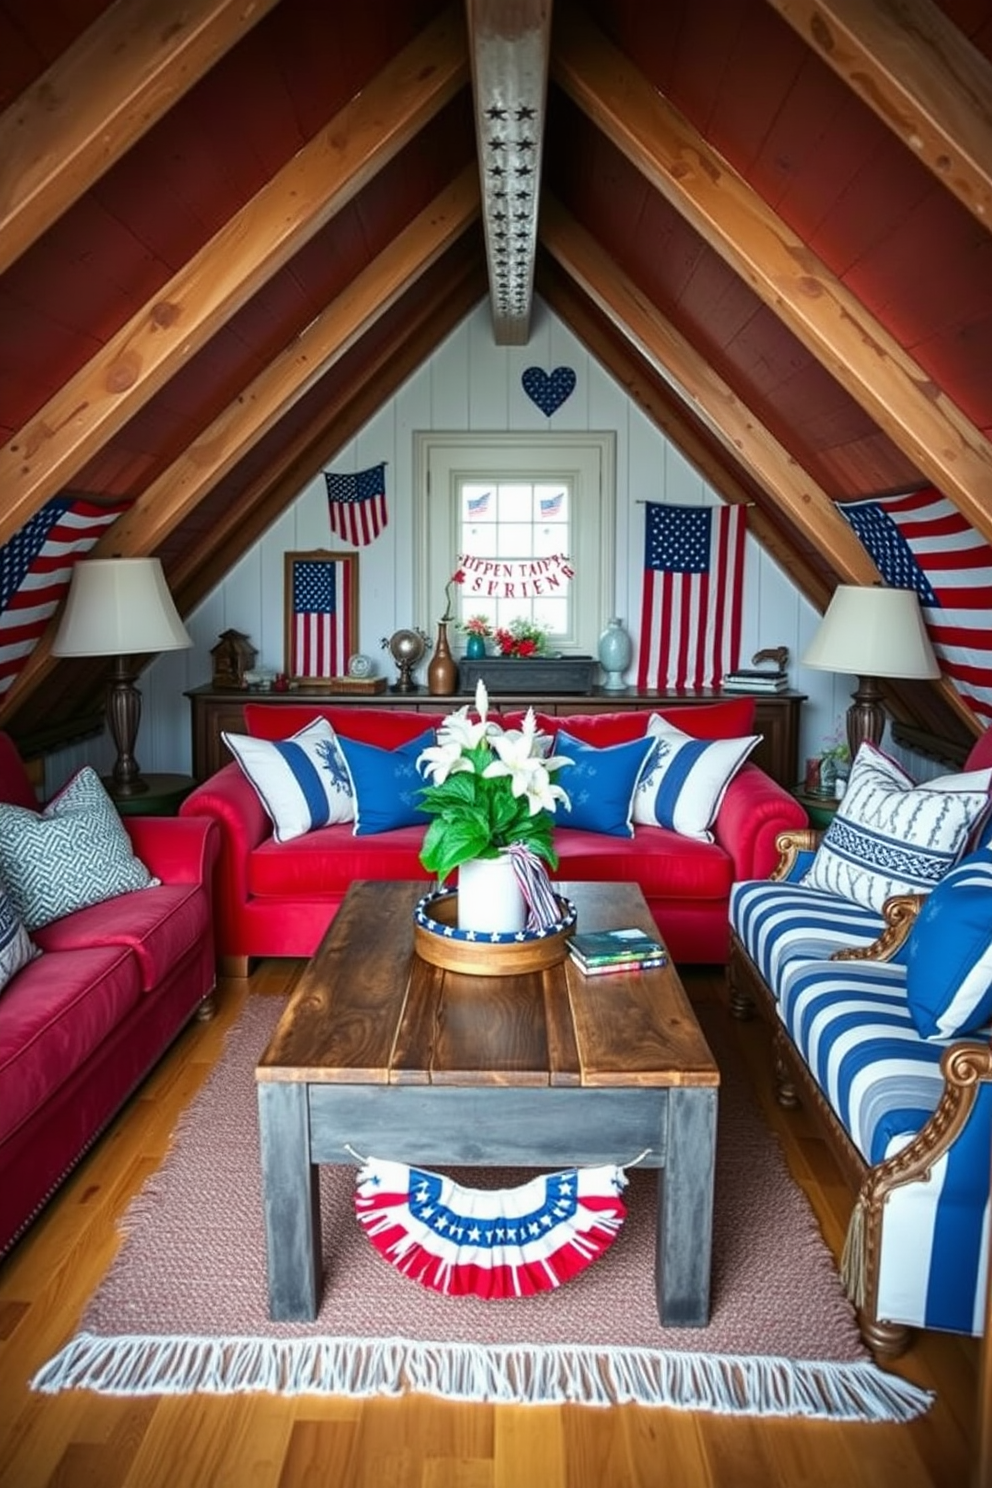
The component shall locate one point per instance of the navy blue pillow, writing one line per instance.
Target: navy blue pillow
(386, 784)
(600, 783)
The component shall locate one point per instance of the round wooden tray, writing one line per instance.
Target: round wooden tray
(437, 939)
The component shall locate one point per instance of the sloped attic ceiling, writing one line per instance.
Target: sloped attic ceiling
(228, 231)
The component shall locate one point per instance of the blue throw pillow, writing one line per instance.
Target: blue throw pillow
(600, 783)
(949, 952)
(386, 784)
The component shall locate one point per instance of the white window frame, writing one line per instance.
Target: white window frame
(586, 459)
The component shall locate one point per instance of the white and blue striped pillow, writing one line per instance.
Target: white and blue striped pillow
(16, 945)
(302, 782)
(685, 779)
(890, 836)
(949, 953)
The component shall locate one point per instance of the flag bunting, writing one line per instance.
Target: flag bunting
(35, 568)
(919, 540)
(693, 596)
(489, 1243)
(357, 505)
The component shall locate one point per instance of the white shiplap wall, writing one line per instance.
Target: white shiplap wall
(468, 384)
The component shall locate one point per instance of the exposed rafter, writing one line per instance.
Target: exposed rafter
(123, 74)
(922, 77)
(218, 280)
(816, 306)
(509, 50)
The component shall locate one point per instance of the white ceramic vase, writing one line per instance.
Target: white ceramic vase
(489, 896)
(615, 651)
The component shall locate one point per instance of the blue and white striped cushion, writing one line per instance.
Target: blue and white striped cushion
(685, 779)
(891, 837)
(949, 952)
(16, 946)
(851, 1023)
(777, 922)
(302, 782)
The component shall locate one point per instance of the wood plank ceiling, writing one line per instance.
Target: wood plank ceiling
(229, 228)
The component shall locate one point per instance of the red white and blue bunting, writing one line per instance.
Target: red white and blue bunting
(489, 1243)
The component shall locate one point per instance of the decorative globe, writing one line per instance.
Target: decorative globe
(406, 648)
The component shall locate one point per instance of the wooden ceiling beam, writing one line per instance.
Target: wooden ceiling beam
(660, 404)
(920, 74)
(508, 46)
(179, 489)
(251, 246)
(732, 423)
(97, 98)
(740, 226)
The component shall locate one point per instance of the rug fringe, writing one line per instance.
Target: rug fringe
(724, 1384)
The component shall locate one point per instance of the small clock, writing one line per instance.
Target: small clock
(360, 666)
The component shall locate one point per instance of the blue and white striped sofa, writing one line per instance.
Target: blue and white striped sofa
(909, 1118)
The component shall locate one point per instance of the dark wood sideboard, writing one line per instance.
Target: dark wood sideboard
(776, 716)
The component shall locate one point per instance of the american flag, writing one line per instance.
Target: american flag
(357, 505)
(552, 505)
(477, 505)
(35, 568)
(693, 587)
(321, 606)
(921, 541)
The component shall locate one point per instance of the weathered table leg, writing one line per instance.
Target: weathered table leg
(291, 1199)
(685, 1209)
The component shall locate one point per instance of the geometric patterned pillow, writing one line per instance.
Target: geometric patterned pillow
(16, 946)
(890, 836)
(685, 779)
(949, 953)
(302, 782)
(73, 854)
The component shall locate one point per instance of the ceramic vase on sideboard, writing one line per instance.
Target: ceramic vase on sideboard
(442, 669)
(614, 651)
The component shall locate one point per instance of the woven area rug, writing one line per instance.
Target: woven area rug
(183, 1307)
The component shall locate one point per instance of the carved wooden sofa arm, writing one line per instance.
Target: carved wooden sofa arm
(899, 914)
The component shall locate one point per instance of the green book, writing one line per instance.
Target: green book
(607, 947)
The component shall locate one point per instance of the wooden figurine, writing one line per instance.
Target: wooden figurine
(233, 656)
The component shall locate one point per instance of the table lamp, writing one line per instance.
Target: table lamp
(120, 607)
(871, 632)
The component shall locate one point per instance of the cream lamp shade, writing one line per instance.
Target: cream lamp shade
(871, 632)
(120, 607)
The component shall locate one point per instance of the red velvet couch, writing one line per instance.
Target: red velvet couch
(84, 1022)
(277, 899)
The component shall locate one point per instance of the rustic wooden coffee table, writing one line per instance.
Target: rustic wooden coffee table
(381, 1053)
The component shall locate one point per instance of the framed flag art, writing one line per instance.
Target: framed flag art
(321, 598)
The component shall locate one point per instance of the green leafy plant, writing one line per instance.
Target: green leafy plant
(489, 788)
(521, 638)
(477, 625)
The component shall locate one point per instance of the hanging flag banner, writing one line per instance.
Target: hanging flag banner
(693, 591)
(357, 505)
(489, 1243)
(517, 578)
(921, 541)
(35, 568)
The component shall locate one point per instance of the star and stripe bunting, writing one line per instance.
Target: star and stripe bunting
(35, 568)
(496, 1243)
(692, 600)
(919, 540)
(357, 505)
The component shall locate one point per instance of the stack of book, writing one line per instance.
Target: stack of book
(596, 952)
(756, 679)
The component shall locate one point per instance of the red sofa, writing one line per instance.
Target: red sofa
(277, 899)
(84, 1022)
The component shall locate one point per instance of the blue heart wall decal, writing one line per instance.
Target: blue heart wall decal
(548, 392)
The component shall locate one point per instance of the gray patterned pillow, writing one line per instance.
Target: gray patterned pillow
(16, 949)
(74, 853)
(890, 836)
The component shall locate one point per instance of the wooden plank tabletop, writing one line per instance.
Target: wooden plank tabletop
(367, 1010)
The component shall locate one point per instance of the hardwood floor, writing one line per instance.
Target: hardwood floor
(80, 1440)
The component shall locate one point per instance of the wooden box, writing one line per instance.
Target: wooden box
(528, 674)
